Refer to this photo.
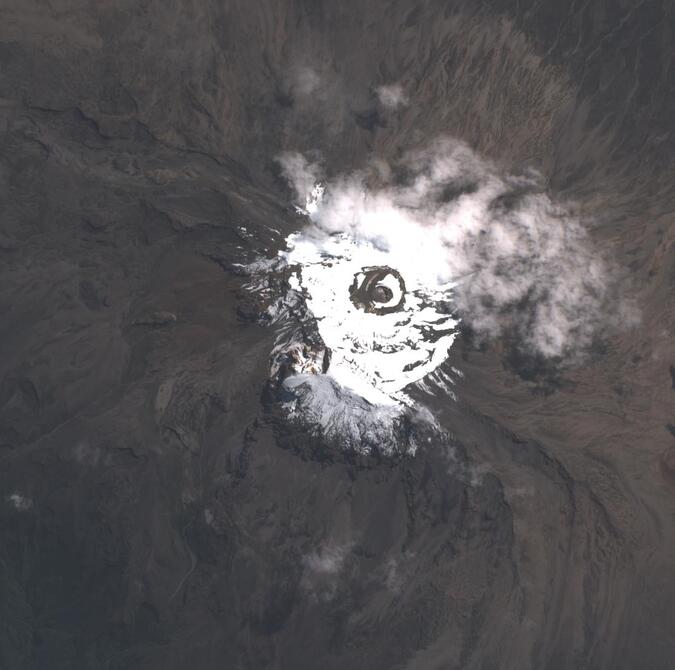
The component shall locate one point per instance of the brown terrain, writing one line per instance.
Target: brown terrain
(152, 513)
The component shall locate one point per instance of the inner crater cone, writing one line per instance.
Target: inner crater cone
(378, 290)
(382, 294)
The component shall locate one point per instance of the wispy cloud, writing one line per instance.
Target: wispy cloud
(19, 502)
(302, 175)
(327, 560)
(305, 80)
(322, 569)
(392, 96)
(525, 264)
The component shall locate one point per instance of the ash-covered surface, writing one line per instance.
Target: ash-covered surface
(159, 508)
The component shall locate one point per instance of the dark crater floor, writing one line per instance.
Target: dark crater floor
(153, 513)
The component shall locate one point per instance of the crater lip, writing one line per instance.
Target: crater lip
(370, 294)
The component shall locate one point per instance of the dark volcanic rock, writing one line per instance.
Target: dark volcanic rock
(153, 513)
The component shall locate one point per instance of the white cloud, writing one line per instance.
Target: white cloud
(524, 265)
(391, 96)
(305, 80)
(393, 579)
(322, 570)
(302, 175)
(19, 502)
(327, 560)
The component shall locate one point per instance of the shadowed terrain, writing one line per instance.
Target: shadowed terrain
(155, 510)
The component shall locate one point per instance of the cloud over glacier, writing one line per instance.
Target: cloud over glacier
(523, 264)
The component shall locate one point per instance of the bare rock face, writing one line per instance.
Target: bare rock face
(163, 504)
(668, 464)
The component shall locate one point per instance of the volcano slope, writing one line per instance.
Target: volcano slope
(158, 510)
